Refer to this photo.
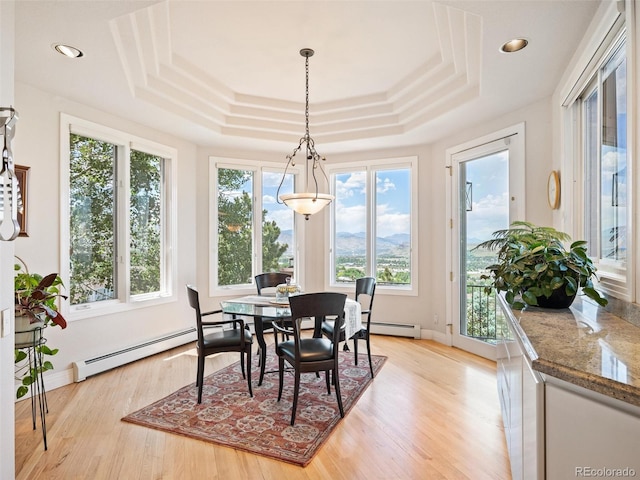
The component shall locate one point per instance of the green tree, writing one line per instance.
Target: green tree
(145, 222)
(235, 231)
(234, 239)
(92, 209)
(272, 250)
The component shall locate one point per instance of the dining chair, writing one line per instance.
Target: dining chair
(365, 291)
(314, 354)
(236, 339)
(265, 281)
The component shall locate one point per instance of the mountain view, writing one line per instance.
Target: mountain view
(354, 243)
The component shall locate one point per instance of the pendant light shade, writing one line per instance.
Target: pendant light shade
(306, 203)
(311, 201)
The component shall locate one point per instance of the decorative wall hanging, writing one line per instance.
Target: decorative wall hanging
(10, 198)
(23, 185)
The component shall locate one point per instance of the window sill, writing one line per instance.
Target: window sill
(95, 310)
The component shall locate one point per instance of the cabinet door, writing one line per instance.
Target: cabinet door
(514, 375)
(532, 424)
(585, 436)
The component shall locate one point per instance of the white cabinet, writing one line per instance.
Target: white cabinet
(589, 435)
(521, 393)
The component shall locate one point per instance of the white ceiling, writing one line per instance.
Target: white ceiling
(229, 73)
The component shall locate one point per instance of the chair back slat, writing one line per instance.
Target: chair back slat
(366, 286)
(270, 279)
(194, 302)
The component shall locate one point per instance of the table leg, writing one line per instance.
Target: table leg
(258, 326)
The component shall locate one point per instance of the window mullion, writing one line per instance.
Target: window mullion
(123, 234)
(371, 223)
(257, 222)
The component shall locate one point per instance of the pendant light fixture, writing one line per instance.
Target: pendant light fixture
(311, 201)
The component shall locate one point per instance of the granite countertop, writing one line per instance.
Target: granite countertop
(586, 345)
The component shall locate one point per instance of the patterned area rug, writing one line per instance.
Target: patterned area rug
(229, 416)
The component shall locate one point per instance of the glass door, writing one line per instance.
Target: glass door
(484, 208)
(484, 179)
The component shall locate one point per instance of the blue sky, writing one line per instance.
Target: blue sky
(392, 202)
(490, 178)
(277, 211)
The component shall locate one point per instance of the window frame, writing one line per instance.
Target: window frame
(258, 168)
(372, 167)
(124, 143)
(615, 278)
(613, 24)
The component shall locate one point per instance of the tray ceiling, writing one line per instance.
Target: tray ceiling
(229, 73)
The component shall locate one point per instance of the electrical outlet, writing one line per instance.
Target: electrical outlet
(435, 319)
(6, 322)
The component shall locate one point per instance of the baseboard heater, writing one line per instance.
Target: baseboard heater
(102, 363)
(396, 329)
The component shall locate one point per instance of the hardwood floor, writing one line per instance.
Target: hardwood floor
(431, 413)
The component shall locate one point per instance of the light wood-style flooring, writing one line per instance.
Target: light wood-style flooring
(431, 413)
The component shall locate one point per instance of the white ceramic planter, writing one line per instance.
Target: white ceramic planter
(27, 334)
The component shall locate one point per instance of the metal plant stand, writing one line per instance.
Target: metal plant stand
(34, 363)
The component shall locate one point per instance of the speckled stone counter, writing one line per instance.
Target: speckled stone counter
(593, 347)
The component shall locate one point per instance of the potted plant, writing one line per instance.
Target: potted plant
(35, 308)
(535, 268)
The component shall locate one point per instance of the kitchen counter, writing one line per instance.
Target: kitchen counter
(586, 345)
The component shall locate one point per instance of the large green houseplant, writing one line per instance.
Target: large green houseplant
(35, 308)
(535, 268)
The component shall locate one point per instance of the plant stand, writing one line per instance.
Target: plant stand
(34, 362)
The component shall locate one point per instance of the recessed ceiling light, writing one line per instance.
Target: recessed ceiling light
(514, 45)
(67, 50)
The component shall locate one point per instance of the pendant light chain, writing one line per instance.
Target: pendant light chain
(306, 110)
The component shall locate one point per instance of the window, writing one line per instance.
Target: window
(248, 219)
(604, 139)
(374, 223)
(120, 220)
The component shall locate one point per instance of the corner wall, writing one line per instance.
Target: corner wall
(38, 141)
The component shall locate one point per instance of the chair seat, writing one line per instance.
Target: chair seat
(226, 338)
(311, 349)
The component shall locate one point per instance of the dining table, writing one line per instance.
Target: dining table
(267, 307)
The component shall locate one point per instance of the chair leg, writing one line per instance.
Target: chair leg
(369, 353)
(280, 376)
(242, 364)
(326, 377)
(296, 389)
(249, 372)
(336, 381)
(199, 378)
(355, 348)
(200, 364)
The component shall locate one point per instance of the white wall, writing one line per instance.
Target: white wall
(7, 392)
(38, 143)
